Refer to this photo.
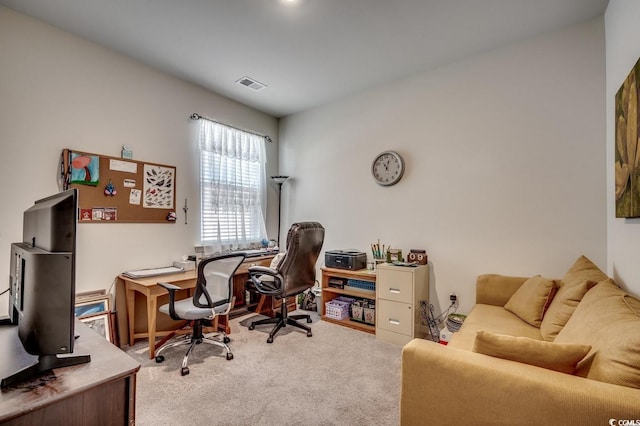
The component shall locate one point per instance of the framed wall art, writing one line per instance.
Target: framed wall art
(627, 157)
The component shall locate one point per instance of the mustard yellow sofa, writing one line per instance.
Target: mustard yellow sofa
(570, 357)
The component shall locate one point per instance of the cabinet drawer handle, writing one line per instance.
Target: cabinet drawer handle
(394, 290)
(394, 322)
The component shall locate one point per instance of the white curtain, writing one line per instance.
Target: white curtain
(232, 187)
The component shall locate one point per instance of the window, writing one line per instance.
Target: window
(232, 187)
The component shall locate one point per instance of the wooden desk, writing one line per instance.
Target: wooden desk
(98, 392)
(150, 289)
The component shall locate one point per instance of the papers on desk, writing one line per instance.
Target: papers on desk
(152, 272)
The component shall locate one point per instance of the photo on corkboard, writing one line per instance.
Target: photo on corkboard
(627, 158)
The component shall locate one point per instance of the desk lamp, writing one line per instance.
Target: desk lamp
(279, 180)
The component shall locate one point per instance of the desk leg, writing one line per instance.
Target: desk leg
(131, 302)
(152, 311)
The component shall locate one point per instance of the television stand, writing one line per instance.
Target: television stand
(45, 363)
(100, 392)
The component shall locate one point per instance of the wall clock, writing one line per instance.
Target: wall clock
(387, 168)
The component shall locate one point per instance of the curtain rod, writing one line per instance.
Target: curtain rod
(196, 116)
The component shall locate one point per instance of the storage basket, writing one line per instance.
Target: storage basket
(337, 309)
(369, 315)
(363, 285)
(364, 310)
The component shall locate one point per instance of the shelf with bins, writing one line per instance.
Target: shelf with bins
(330, 293)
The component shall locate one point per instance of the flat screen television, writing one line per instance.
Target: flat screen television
(42, 285)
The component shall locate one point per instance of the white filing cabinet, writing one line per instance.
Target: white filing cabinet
(399, 290)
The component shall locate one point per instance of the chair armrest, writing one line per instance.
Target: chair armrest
(171, 288)
(482, 390)
(262, 270)
(274, 286)
(494, 289)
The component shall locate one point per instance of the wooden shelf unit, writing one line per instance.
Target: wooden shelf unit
(330, 293)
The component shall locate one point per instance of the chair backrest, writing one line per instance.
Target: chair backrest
(216, 275)
(298, 267)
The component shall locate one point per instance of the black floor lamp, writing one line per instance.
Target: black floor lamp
(279, 180)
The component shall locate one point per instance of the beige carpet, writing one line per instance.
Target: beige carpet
(337, 377)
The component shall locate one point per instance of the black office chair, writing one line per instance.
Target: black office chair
(213, 296)
(295, 273)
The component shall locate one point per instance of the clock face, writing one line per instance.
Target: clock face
(387, 168)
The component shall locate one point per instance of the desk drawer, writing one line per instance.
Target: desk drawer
(396, 285)
(394, 316)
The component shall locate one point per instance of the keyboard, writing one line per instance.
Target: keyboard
(152, 272)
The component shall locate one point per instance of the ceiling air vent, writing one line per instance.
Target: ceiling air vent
(251, 83)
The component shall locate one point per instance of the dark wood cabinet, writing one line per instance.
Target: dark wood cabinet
(100, 392)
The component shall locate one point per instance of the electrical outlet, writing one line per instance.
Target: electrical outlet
(453, 298)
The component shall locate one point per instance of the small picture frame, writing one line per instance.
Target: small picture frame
(92, 306)
(100, 323)
(394, 255)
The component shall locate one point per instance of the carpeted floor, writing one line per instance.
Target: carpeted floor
(337, 377)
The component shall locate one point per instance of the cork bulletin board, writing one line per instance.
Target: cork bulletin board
(120, 190)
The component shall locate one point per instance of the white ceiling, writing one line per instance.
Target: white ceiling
(307, 53)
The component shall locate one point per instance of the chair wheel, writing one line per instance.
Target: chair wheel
(309, 334)
(251, 327)
(226, 339)
(159, 358)
(270, 340)
(184, 371)
(229, 356)
(309, 320)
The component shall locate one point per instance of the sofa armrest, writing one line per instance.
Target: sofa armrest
(445, 385)
(494, 289)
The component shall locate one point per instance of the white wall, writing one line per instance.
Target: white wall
(623, 50)
(58, 91)
(505, 163)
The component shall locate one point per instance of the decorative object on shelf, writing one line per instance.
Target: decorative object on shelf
(394, 255)
(171, 217)
(417, 256)
(279, 180)
(627, 157)
(387, 168)
(378, 251)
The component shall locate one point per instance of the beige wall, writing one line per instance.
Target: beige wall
(505, 163)
(504, 151)
(58, 91)
(623, 50)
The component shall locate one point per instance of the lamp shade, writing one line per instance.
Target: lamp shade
(279, 179)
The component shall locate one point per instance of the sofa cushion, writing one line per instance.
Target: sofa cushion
(608, 319)
(552, 356)
(532, 299)
(582, 275)
(562, 307)
(494, 319)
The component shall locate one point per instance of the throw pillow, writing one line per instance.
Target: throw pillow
(582, 275)
(549, 355)
(608, 319)
(532, 299)
(561, 308)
